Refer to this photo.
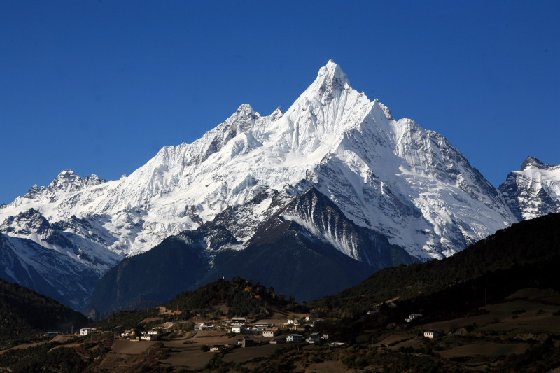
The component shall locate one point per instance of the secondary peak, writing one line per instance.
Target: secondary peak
(533, 162)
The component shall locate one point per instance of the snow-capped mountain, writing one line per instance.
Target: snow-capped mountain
(389, 176)
(307, 249)
(534, 190)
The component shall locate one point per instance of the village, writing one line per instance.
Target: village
(243, 331)
(205, 338)
(193, 341)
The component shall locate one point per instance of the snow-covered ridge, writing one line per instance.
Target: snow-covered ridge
(390, 176)
(534, 190)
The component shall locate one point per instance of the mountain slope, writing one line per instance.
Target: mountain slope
(522, 247)
(310, 249)
(24, 313)
(46, 271)
(534, 190)
(307, 249)
(239, 296)
(175, 265)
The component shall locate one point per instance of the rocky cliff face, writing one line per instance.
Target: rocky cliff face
(534, 190)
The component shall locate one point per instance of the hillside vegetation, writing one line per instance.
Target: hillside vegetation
(236, 297)
(24, 313)
(519, 254)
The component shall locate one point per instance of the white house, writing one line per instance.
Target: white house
(269, 333)
(146, 337)
(87, 331)
(203, 326)
(263, 326)
(129, 333)
(431, 334)
(291, 324)
(150, 335)
(294, 338)
(236, 329)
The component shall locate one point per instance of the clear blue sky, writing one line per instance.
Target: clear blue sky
(100, 86)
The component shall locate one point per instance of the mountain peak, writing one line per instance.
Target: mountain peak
(277, 113)
(69, 180)
(66, 176)
(331, 76)
(533, 162)
(333, 69)
(244, 112)
(66, 173)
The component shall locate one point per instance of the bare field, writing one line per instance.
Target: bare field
(187, 356)
(123, 346)
(327, 366)
(394, 339)
(211, 338)
(487, 349)
(123, 354)
(241, 355)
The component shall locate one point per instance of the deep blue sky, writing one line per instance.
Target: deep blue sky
(100, 86)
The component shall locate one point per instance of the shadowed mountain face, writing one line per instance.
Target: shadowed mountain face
(523, 255)
(308, 249)
(24, 313)
(175, 265)
(46, 271)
